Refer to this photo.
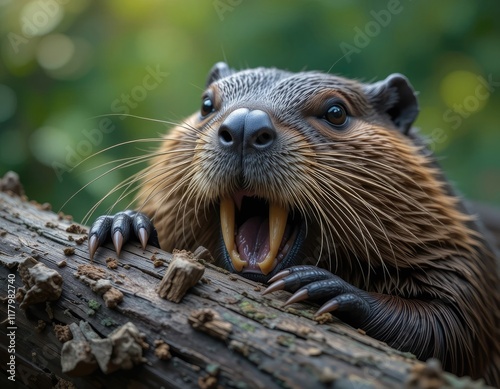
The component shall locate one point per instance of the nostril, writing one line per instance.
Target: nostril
(230, 134)
(264, 138)
(260, 133)
(225, 137)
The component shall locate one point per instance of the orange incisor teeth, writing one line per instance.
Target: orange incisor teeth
(227, 225)
(277, 224)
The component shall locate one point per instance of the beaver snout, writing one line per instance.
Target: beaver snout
(245, 131)
(259, 235)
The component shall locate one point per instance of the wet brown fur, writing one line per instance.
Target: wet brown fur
(375, 204)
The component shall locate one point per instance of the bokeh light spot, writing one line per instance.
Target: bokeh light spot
(55, 51)
(38, 18)
(464, 91)
(49, 144)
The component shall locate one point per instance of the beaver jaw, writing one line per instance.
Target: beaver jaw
(258, 236)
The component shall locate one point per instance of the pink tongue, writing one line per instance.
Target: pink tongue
(252, 241)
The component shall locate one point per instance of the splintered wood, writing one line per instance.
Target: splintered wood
(86, 351)
(183, 272)
(209, 321)
(40, 283)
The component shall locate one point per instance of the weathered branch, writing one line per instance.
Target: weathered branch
(223, 333)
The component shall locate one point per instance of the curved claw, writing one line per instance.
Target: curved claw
(329, 288)
(305, 269)
(300, 295)
(120, 230)
(329, 306)
(98, 233)
(143, 236)
(93, 245)
(278, 285)
(300, 276)
(143, 228)
(279, 276)
(320, 290)
(117, 241)
(354, 307)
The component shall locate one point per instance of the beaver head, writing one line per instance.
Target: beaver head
(277, 167)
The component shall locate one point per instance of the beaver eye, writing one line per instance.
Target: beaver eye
(207, 106)
(336, 115)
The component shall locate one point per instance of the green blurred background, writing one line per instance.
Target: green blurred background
(65, 63)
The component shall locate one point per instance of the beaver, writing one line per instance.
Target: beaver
(321, 185)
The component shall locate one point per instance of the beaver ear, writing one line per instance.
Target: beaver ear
(395, 96)
(218, 71)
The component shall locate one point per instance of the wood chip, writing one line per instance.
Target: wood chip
(209, 321)
(69, 251)
(182, 273)
(91, 271)
(111, 263)
(204, 254)
(10, 183)
(112, 297)
(76, 229)
(162, 350)
(40, 283)
(77, 359)
(63, 333)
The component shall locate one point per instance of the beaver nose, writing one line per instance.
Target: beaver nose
(244, 129)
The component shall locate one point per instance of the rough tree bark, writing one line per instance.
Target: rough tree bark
(254, 343)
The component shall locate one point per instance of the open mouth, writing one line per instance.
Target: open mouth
(259, 236)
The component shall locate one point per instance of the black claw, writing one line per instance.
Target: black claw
(313, 283)
(93, 245)
(282, 274)
(101, 228)
(139, 220)
(299, 269)
(118, 228)
(304, 276)
(324, 289)
(278, 285)
(354, 307)
(299, 295)
(117, 241)
(143, 228)
(99, 233)
(143, 236)
(329, 306)
(121, 223)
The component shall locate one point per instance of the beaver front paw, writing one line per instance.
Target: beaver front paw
(313, 283)
(118, 228)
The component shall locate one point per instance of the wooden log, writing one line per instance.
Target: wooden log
(224, 333)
